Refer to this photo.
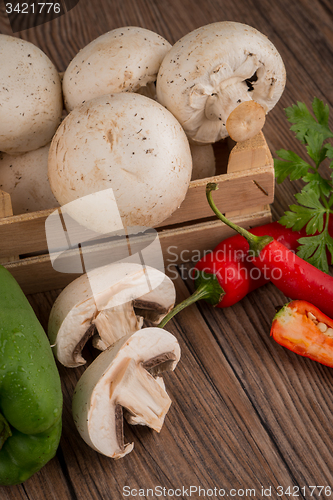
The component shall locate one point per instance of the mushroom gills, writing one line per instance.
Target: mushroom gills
(110, 325)
(151, 312)
(90, 332)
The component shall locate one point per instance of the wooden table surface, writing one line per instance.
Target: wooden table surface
(246, 413)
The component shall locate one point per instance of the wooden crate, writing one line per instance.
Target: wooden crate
(245, 176)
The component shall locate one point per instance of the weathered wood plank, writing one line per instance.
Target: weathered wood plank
(212, 435)
(290, 393)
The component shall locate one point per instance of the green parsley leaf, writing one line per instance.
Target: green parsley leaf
(317, 184)
(315, 201)
(313, 250)
(309, 212)
(314, 147)
(291, 164)
(304, 121)
(321, 111)
(297, 217)
(329, 151)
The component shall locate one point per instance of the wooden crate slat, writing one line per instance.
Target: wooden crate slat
(36, 274)
(24, 234)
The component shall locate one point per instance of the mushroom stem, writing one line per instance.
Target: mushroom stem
(144, 401)
(245, 121)
(207, 288)
(114, 323)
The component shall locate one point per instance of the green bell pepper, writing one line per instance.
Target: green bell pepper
(30, 388)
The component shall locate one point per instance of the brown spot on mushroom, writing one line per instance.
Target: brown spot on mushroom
(110, 138)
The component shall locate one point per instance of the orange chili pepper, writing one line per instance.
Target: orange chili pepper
(305, 330)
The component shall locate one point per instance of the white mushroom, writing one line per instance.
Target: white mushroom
(203, 159)
(30, 96)
(211, 70)
(25, 178)
(107, 303)
(126, 142)
(122, 60)
(125, 377)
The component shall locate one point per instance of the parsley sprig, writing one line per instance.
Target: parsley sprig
(315, 201)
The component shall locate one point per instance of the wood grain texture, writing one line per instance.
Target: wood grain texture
(246, 412)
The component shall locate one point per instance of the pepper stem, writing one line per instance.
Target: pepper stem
(207, 288)
(256, 243)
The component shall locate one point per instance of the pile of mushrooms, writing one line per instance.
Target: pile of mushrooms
(219, 80)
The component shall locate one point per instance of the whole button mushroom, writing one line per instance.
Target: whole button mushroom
(125, 380)
(30, 96)
(107, 304)
(212, 70)
(25, 178)
(122, 60)
(130, 144)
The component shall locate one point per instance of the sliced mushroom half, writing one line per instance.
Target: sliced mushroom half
(107, 304)
(125, 381)
(212, 70)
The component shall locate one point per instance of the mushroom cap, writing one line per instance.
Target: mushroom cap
(119, 378)
(30, 96)
(25, 178)
(211, 70)
(105, 295)
(126, 142)
(122, 60)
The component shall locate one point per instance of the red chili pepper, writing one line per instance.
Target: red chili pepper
(304, 329)
(295, 277)
(227, 274)
(235, 271)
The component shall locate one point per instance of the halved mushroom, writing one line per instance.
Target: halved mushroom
(122, 60)
(25, 178)
(30, 96)
(213, 69)
(125, 377)
(130, 144)
(107, 303)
